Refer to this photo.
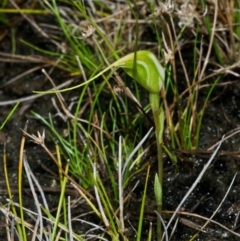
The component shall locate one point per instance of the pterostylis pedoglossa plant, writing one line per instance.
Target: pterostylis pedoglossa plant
(144, 67)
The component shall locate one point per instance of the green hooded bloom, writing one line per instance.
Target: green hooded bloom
(146, 70)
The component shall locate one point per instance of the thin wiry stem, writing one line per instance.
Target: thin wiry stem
(101, 210)
(20, 172)
(70, 220)
(35, 96)
(120, 183)
(39, 220)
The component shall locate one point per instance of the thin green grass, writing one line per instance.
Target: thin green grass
(141, 215)
(9, 115)
(23, 10)
(62, 201)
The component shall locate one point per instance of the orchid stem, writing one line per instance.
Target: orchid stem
(158, 116)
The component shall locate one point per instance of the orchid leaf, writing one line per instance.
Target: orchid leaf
(157, 190)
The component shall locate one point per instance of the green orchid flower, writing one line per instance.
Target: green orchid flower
(146, 70)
